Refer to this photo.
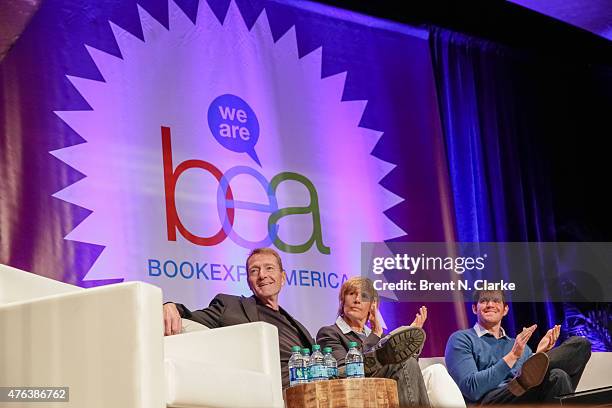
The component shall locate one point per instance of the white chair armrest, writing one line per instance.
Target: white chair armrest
(250, 346)
(597, 372)
(17, 286)
(425, 362)
(105, 344)
(245, 347)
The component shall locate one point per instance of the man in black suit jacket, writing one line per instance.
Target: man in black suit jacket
(266, 277)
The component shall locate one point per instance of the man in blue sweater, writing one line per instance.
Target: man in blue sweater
(491, 367)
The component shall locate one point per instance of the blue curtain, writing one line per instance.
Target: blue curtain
(491, 108)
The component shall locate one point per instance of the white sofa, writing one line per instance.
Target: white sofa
(106, 344)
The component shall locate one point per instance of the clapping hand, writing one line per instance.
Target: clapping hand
(519, 345)
(549, 339)
(420, 318)
(521, 341)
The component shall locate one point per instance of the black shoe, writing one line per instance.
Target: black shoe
(401, 344)
(531, 375)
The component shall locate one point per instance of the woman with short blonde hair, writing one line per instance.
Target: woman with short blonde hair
(392, 356)
(365, 285)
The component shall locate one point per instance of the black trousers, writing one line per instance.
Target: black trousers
(567, 363)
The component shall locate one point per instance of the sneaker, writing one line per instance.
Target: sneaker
(401, 344)
(531, 374)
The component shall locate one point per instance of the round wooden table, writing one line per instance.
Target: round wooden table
(344, 393)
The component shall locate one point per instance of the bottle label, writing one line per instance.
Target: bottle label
(354, 370)
(332, 372)
(302, 374)
(318, 372)
(298, 375)
(293, 375)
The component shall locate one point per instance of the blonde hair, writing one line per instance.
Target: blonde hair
(265, 251)
(356, 282)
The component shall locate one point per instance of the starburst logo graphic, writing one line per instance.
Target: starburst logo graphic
(179, 79)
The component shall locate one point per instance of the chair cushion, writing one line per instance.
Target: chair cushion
(190, 326)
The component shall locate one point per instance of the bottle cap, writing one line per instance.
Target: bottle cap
(305, 350)
(316, 347)
(353, 344)
(295, 349)
(327, 350)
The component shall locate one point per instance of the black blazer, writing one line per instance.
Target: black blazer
(332, 336)
(228, 310)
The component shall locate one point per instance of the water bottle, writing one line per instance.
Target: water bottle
(330, 363)
(316, 366)
(305, 363)
(296, 372)
(354, 362)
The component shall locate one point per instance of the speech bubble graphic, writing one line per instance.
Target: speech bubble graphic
(234, 124)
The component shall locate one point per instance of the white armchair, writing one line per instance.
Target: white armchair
(106, 344)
